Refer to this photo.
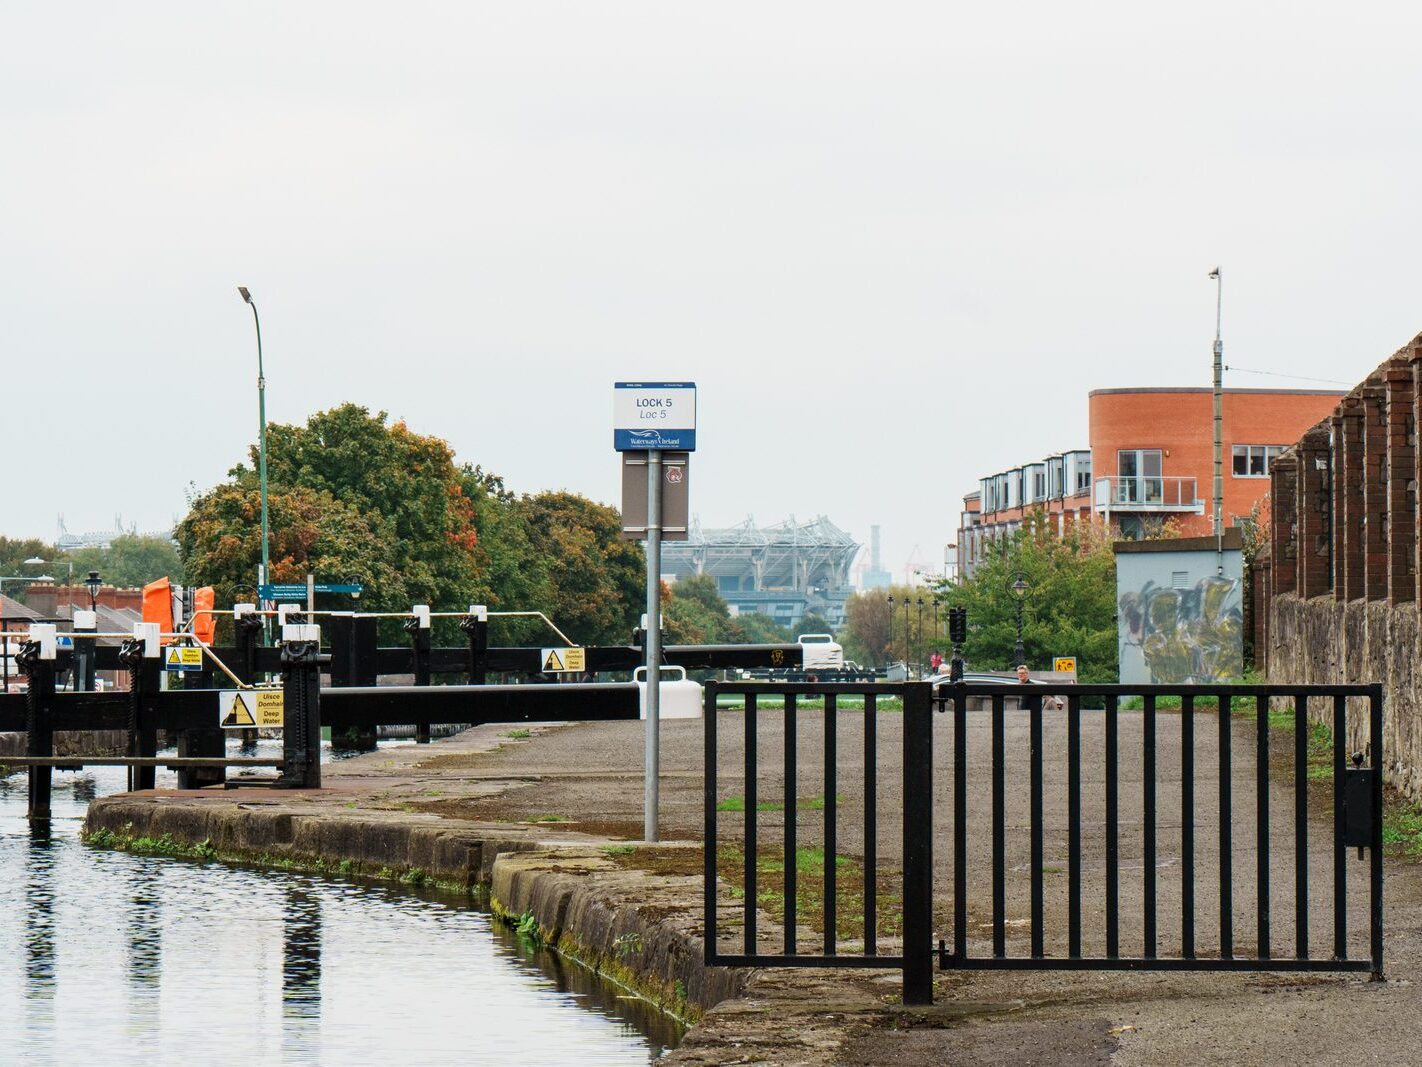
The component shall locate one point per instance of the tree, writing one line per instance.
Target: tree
(865, 634)
(596, 579)
(756, 628)
(810, 623)
(405, 483)
(13, 553)
(1069, 608)
(312, 533)
(130, 560)
(877, 631)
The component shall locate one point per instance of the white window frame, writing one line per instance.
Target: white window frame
(1265, 453)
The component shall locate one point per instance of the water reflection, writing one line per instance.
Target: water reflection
(113, 958)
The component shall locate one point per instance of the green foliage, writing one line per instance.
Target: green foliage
(811, 623)
(13, 553)
(596, 580)
(526, 926)
(131, 560)
(1069, 608)
(355, 498)
(312, 532)
(695, 613)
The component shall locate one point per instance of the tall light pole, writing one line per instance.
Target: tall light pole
(262, 576)
(1219, 424)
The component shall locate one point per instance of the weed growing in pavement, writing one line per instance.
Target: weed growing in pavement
(738, 803)
(518, 735)
(619, 850)
(550, 818)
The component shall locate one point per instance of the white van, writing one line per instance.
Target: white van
(820, 652)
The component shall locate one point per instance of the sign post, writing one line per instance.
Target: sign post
(649, 417)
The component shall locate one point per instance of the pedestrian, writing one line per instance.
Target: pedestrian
(935, 662)
(1050, 703)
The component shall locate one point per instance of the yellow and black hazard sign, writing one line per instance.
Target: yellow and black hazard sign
(1065, 664)
(247, 709)
(182, 658)
(565, 660)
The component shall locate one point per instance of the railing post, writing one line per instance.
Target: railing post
(37, 658)
(301, 661)
(918, 843)
(143, 655)
(419, 630)
(348, 667)
(476, 625)
(84, 622)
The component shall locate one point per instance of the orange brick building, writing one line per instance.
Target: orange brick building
(1151, 460)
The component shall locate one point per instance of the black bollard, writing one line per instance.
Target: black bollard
(301, 662)
(476, 625)
(143, 656)
(419, 630)
(37, 660)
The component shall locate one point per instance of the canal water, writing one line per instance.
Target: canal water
(111, 958)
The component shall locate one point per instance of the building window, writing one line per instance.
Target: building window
(1139, 479)
(1253, 461)
(1083, 474)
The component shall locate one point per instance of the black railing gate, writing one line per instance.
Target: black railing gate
(1153, 809)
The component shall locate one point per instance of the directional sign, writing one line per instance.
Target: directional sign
(647, 415)
(1065, 664)
(182, 658)
(247, 709)
(298, 592)
(565, 660)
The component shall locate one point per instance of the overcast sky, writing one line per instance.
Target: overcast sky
(894, 245)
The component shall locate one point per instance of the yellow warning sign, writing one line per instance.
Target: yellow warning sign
(565, 660)
(247, 709)
(183, 658)
(1066, 664)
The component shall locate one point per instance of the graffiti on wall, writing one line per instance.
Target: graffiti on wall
(1193, 635)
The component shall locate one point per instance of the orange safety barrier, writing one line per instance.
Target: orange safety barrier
(204, 622)
(158, 604)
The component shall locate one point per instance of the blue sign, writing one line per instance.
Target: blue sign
(648, 415)
(298, 592)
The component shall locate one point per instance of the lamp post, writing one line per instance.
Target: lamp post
(1019, 590)
(891, 627)
(920, 637)
(262, 439)
(94, 583)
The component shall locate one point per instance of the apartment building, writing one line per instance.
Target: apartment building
(1151, 460)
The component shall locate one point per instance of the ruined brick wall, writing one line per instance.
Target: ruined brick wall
(1342, 605)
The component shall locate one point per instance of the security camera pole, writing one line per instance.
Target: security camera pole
(650, 418)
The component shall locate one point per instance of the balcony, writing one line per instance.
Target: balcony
(1149, 494)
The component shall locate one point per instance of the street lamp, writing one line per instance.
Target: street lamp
(891, 627)
(262, 439)
(920, 637)
(1019, 590)
(94, 583)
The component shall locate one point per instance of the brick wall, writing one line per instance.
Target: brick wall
(1342, 594)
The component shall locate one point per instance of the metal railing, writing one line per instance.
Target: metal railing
(1144, 493)
(1200, 738)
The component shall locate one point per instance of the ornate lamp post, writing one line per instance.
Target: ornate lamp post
(1019, 590)
(94, 584)
(920, 637)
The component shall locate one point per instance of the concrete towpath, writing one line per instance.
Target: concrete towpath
(578, 787)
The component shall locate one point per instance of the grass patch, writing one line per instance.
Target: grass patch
(738, 803)
(518, 735)
(1402, 828)
(770, 884)
(550, 818)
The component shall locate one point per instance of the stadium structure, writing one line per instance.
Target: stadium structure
(786, 571)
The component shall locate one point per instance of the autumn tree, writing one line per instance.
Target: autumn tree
(596, 579)
(404, 482)
(312, 533)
